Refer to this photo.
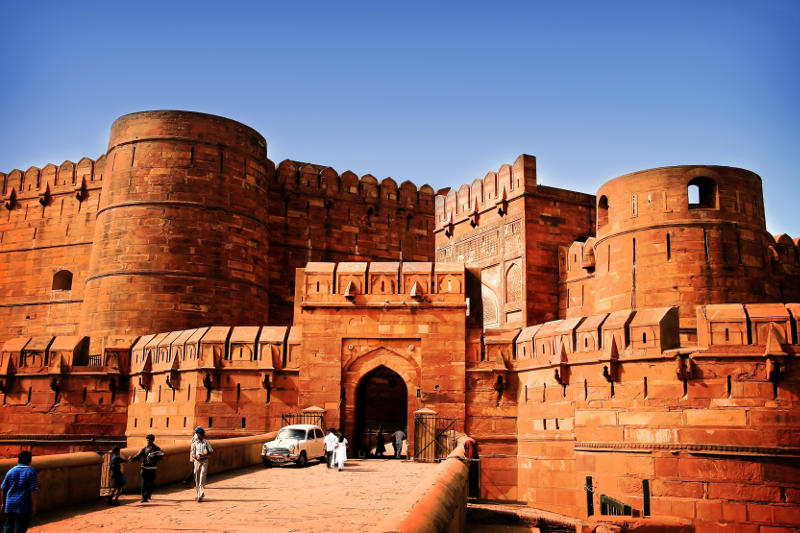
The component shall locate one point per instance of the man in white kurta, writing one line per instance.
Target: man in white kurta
(330, 444)
(200, 451)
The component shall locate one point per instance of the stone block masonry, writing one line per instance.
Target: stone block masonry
(635, 345)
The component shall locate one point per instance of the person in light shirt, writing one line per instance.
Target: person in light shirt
(201, 449)
(330, 443)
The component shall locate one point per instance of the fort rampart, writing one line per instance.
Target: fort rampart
(627, 349)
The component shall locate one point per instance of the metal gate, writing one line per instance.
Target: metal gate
(106, 484)
(434, 437)
(316, 419)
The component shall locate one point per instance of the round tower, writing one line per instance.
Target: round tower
(682, 235)
(181, 232)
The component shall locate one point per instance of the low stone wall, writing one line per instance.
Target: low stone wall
(229, 454)
(64, 479)
(74, 478)
(438, 504)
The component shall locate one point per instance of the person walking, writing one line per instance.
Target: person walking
(380, 443)
(18, 494)
(340, 452)
(150, 456)
(330, 443)
(189, 479)
(117, 477)
(398, 437)
(201, 449)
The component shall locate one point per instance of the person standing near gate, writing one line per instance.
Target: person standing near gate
(398, 437)
(150, 456)
(18, 495)
(330, 443)
(201, 449)
(380, 443)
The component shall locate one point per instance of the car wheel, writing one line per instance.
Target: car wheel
(267, 462)
(302, 460)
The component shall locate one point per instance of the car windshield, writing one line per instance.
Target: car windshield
(292, 434)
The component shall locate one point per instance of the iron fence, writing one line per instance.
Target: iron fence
(434, 437)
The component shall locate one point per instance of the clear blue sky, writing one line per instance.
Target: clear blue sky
(434, 92)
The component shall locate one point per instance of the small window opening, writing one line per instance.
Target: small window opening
(544, 392)
(739, 247)
(167, 421)
(602, 211)
(244, 423)
(729, 387)
(634, 252)
(544, 423)
(318, 286)
(556, 420)
(84, 395)
(612, 389)
(62, 281)
(383, 286)
(645, 387)
(135, 422)
(702, 192)
(151, 422)
(644, 338)
(184, 421)
(669, 249)
(727, 338)
(705, 243)
(211, 421)
(585, 389)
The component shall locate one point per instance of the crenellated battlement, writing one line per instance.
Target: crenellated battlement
(407, 283)
(300, 177)
(42, 184)
(492, 192)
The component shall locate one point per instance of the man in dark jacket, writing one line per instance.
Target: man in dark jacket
(150, 455)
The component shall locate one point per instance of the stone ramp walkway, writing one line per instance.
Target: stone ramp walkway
(280, 499)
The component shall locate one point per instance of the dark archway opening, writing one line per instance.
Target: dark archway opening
(381, 401)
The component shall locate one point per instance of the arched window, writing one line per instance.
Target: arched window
(602, 211)
(62, 281)
(702, 193)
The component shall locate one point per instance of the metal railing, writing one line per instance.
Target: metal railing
(95, 360)
(316, 419)
(434, 437)
(106, 483)
(613, 507)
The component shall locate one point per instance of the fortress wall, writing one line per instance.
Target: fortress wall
(711, 430)
(319, 215)
(507, 229)
(181, 230)
(46, 226)
(554, 217)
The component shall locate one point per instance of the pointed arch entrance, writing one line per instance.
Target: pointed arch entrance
(379, 364)
(381, 402)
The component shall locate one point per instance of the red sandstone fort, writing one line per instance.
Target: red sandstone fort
(638, 343)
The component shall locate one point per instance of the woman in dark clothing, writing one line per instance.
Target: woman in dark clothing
(380, 443)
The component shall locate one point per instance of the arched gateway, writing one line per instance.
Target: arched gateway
(381, 402)
(380, 389)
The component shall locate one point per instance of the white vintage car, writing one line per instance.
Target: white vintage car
(298, 443)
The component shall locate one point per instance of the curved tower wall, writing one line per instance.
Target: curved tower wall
(655, 249)
(181, 232)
